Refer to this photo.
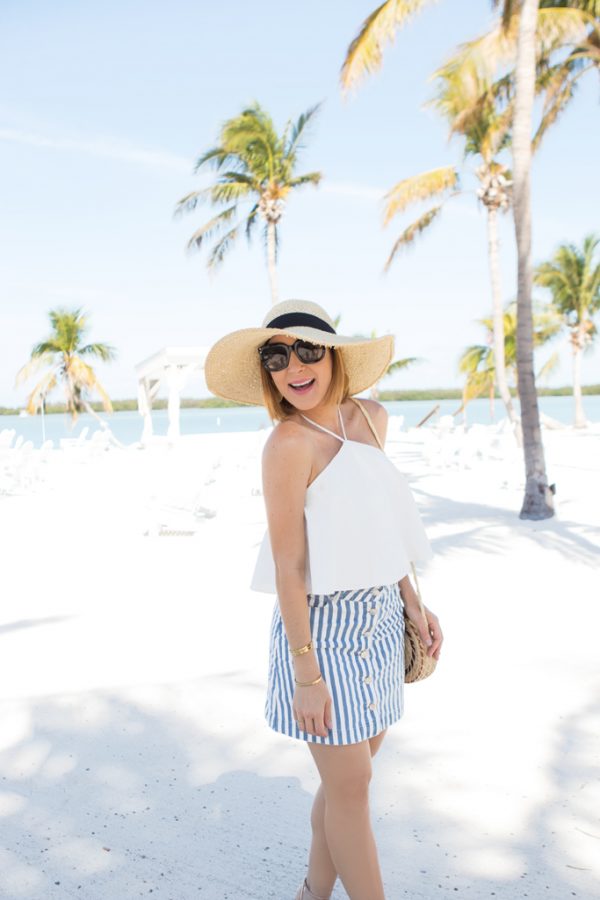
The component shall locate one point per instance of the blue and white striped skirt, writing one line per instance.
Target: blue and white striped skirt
(358, 636)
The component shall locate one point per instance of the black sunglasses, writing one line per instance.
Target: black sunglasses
(276, 357)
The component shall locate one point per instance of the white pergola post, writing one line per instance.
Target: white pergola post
(173, 366)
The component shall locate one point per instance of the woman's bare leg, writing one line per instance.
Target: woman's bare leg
(322, 873)
(345, 781)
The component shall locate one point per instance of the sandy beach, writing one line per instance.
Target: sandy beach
(134, 756)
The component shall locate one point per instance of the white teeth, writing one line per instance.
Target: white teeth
(300, 383)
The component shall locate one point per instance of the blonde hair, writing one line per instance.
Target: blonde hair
(279, 408)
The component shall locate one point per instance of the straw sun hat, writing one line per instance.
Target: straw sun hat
(232, 366)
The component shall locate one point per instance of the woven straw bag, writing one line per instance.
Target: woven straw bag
(417, 664)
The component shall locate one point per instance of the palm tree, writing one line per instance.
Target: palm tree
(573, 278)
(538, 500)
(464, 98)
(64, 355)
(478, 362)
(365, 55)
(557, 20)
(257, 165)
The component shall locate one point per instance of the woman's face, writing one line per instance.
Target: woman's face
(317, 374)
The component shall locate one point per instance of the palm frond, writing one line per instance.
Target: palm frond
(69, 326)
(217, 157)
(251, 221)
(559, 84)
(309, 178)
(509, 9)
(85, 381)
(559, 27)
(105, 352)
(549, 367)
(191, 200)
(365, 53)
(37, 362)
(49, 347)
(230, 191)
(291, 141)
(419, 187)
(399, 364)
(479, 383)
(410, 233)
(212, 227)
(39, 393)
(473, 357)
(220, 249)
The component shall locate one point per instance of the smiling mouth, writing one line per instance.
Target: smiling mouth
(302, 387)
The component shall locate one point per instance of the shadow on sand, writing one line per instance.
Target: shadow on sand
(104, 798)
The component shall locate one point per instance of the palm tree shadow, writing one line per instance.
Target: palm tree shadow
(21, 624)
(104, 799)
(573, 540)
(107, 796)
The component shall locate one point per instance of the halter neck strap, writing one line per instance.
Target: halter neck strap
(322, 427)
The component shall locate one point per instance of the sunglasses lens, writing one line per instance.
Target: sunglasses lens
(309, 353)
(275, 357)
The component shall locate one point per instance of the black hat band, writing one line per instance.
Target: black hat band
(288, 320)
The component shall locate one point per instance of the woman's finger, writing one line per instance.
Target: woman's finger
(320, 728)
(436, 634)
(327, 717)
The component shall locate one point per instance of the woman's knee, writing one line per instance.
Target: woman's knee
(347, 782)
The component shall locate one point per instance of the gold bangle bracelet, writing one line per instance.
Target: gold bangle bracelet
(300, 650)
(308, 683)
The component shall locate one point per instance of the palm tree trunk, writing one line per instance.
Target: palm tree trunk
(537, 503)
(499, 364)
(580, 419)
(271, 260)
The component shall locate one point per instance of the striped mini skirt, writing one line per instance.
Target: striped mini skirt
(358, 636)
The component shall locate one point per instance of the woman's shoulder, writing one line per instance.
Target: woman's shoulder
(288, 442)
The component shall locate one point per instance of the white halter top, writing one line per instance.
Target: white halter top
(362, 525)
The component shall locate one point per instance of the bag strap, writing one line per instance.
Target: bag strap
(377, 438)
(369, 420)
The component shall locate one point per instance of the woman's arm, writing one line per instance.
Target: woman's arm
(287, 462)
(426, 621)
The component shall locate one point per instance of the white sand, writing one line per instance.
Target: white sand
(134, 755)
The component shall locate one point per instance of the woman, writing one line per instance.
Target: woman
(342, 531)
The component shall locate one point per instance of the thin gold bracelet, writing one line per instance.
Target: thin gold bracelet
(308, 683)
(300, 650)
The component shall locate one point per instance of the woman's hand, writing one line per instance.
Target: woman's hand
(312, 708)
(426, 621)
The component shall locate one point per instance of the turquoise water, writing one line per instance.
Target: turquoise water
(127, 426)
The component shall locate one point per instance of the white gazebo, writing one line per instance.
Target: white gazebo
(173, 366)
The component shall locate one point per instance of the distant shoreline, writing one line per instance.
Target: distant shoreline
(216, 402)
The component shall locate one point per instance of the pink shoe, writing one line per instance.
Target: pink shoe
(305, 893)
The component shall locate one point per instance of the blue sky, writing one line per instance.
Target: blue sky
(111, 103)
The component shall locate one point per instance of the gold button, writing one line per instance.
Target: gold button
(373, 610)
(367, 679)
(372, 705)
(364, 653)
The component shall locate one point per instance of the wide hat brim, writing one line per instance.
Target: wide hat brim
(232, 365)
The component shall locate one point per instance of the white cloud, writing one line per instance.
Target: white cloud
(108, 148)
(112, 148)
